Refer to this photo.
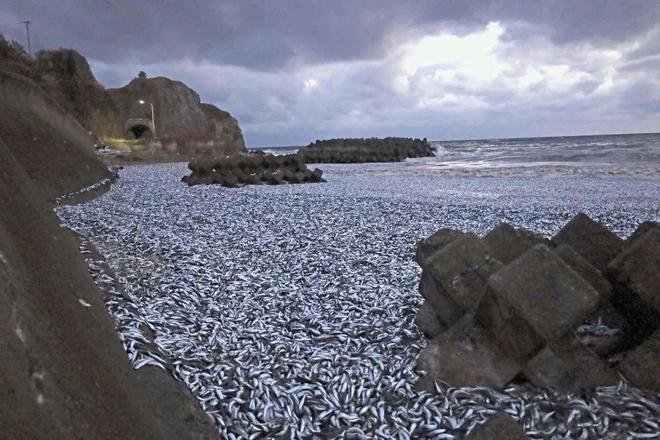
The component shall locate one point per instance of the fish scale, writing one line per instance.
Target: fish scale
(289, 311)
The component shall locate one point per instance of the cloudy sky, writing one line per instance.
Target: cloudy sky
(297, 70)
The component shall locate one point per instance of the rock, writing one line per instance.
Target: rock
(464, 355)
(216, 177)
(66, 76)
(266, 175)
(462, 268)
(535, 299)
(595, 333)
(593, 241)
(635, 275)
(507, 243)
(428, 322)
(642, 229)
(276, 179)
(437, 241)
(499, 427)
(298, 177)
(251, 179)
(566, 365)
(642, 365)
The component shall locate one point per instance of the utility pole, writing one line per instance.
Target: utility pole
(153, 118)
(27, 31)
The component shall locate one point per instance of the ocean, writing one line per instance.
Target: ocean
(633, 155)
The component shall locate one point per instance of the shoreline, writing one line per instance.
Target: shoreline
(171, 400)
(89, 193)
(422, 168)
(312, 266)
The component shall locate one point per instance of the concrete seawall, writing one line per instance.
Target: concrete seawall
(64, 371)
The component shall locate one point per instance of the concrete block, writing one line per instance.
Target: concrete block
(462, 268)
(464, 355)
(512, 333)
(508, 243)
(642, 365)
(635, 275)
(428, 322)
(535, 299)
(545, 292)
(446, 310)
(642, 229)
(604, 332)
(501, 426)
(638, 268)
(566, 365)
(317, 175)
(427, 247)
(592, 240)
(583, 268)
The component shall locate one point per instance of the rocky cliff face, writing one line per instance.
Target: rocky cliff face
(13, 58)
(50, 144)
(180, 116)
(63, 371)
(184, 125)
(65, 75)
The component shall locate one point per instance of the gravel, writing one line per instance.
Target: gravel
(288, 310)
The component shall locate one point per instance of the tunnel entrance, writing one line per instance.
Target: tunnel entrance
(139, 132)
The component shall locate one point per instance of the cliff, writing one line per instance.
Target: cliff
(66, 76)
(180, 117)
(13, 58)
(50, 144)
(184, 126)
(64, 371)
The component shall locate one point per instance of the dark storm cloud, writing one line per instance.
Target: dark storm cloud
(270, 34)
(296, 70)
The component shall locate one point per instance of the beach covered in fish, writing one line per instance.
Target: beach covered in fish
(289, 310)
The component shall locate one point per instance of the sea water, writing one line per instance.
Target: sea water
(633, 155)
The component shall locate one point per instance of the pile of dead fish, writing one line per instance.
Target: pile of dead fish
(255, 168)
(289, 310)
(515, 305)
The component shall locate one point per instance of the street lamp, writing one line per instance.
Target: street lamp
(153, 120)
